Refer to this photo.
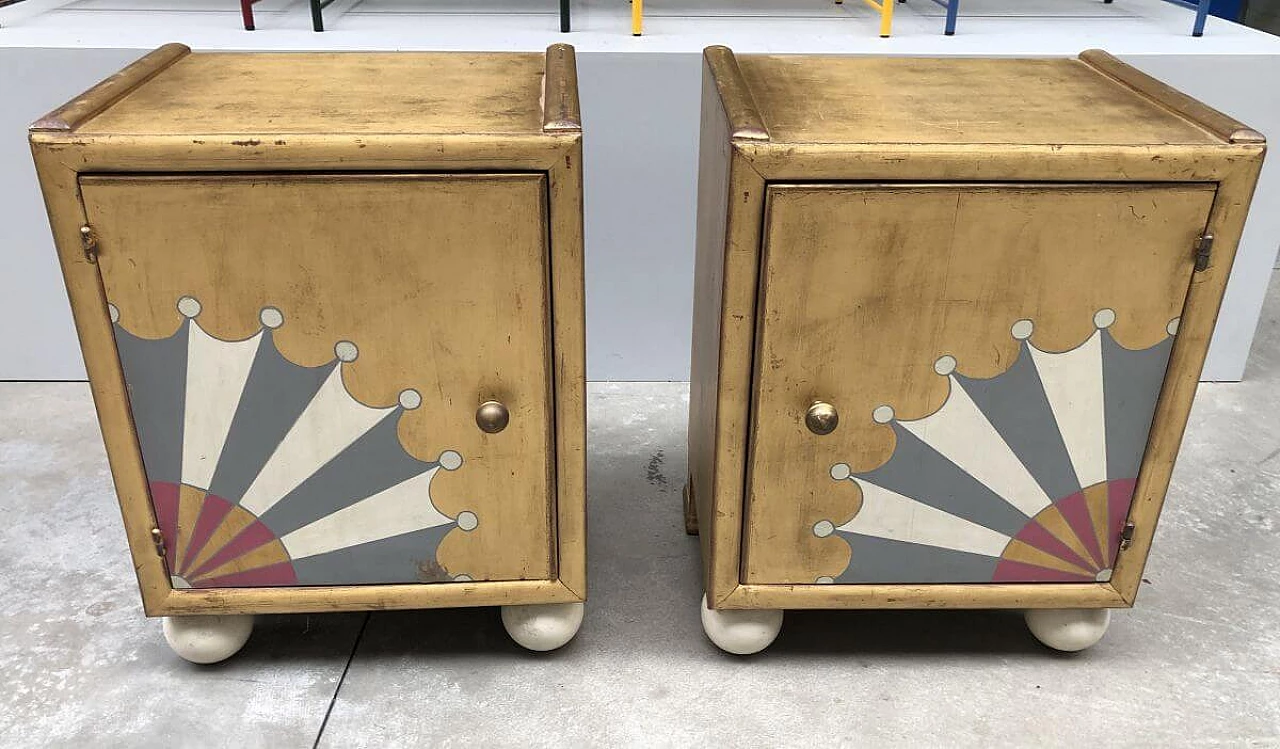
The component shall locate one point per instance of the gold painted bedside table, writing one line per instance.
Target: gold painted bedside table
(949, 319)
(331, 307)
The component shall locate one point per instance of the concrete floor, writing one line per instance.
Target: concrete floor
(1197, 662)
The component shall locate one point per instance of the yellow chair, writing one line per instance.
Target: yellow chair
(886, 14)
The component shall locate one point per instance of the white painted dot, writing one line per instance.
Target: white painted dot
(824, 580)
(945, 365)
(271, 317)
(882, 414)
(1103, 576)
(823, 528)
(1104, 318)
(461, 578)
(450, 460)
(410, 399)
(1172, 327)
(346, 351)
(467, 520)
(1023, 329)
(114, 312)
(189, 306)
(840, 471)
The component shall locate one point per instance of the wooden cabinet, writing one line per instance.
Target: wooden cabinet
(331, 308)
(950, 316)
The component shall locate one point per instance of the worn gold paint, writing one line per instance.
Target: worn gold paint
(864, 288)
(176, 112)
(771, 119)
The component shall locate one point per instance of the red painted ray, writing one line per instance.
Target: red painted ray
(211, 515)
(244, 542)
(1076, 510)
(1038, 536)
(1009, 571)
(273, 574)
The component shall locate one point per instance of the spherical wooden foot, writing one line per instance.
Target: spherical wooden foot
(741, 631)
(207, 638)
(544, 626)
(1068, 630)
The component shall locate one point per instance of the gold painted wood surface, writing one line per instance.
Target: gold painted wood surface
(730, 201)
(436, 295)
(1225, 127)
(334, 92)
(944, 596)
(863, 99)
(357, 598)
(1172, 139)
(77, 111)
(865, 287)
(560, 109)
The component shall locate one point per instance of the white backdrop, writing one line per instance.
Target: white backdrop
(640, 101)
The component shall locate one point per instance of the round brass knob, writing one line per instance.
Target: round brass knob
(821, 418)
(492, 417)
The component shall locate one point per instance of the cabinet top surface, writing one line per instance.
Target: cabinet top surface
(828, 99)
(333, 92)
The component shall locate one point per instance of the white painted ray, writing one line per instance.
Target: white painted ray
(402, 508)
(329, 423)
(1073, 383)
(887, 514)
(961, 433)
(216, 373)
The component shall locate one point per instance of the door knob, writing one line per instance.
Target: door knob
(492, 417)
(821, 418)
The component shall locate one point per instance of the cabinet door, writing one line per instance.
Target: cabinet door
(994, 354)
(305, 356)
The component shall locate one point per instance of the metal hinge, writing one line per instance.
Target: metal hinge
(157, 538)
(1204, 246)
(89, 243)
(1126, 536)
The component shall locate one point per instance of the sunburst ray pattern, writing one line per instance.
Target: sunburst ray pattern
(1023, 477)
(265, 473)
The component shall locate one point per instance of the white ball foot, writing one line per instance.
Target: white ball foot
(544, 626)
(741, 631)
(207, 638)
(1068, 630)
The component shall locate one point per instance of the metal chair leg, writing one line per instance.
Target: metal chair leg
(953, 9)
(564, 15)
(317, 17)
(246, 12)
(1202, 13)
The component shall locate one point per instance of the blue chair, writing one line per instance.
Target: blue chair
(1201, 7)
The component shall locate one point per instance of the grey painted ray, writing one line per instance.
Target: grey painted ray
(923, 474)
(1131, 383)
(155, 373)
(374, 462)
(881, 560)
(1016, 405)
(275, 394)
(407, 558)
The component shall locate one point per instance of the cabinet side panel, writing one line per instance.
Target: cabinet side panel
(730, 205)
(713, 185)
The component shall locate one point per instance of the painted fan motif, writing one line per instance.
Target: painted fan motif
(264, 472)
(1023, 477)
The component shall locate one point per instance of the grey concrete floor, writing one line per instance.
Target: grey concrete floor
(1196, 662)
